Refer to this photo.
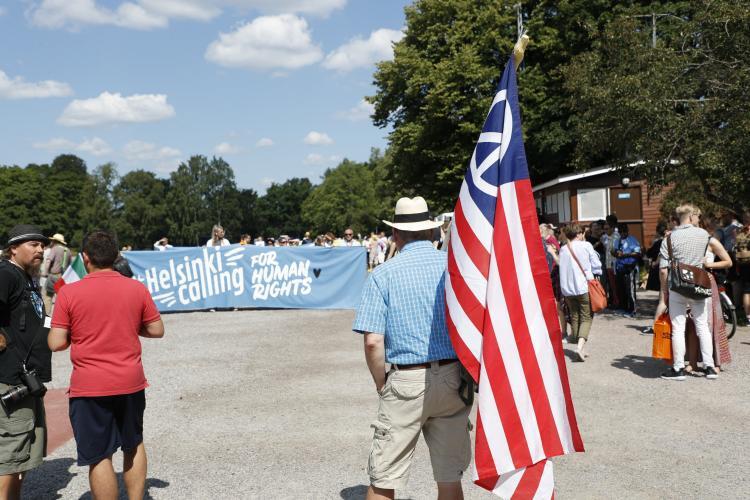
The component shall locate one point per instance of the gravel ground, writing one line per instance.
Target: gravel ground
(277, 404)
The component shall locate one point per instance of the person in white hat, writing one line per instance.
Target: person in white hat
(59, 258)
(402, 317)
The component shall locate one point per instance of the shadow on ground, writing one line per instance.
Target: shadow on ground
(572, 355)
(643, 366)
(50, 478)
(358, 492)
(150, 483)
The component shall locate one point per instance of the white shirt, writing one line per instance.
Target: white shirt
(160, 248)
(224, 242)
(572, 281)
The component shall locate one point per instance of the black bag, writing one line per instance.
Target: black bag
(689, 281)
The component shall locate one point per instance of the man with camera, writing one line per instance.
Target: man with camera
(25, 359)
(107, 397)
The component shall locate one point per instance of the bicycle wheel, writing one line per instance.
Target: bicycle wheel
(730, 315)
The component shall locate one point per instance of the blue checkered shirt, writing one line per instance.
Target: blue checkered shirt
(404, 299)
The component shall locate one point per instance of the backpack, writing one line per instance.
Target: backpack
(742, 248)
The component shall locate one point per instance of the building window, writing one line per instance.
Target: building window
(563, 206)
(592, 203)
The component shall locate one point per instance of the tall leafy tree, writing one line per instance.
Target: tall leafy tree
(99, 210)
(202, 193)
(674, 113)
(279, 210)
(141, 208)
(345, 198)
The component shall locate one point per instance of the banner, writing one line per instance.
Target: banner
(188, 279)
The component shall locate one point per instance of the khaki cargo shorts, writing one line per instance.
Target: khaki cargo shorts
(423, 400)
(23, 436)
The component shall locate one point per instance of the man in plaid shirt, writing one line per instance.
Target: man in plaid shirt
(402, 317)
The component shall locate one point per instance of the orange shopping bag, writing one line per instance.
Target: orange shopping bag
(662, 348)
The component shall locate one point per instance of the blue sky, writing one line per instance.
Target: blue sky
(275, 87)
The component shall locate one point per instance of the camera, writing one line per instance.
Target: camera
(31, 386)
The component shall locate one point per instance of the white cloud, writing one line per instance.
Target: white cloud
(56, 144)
(266, 43)
(267, 181)
(264, 142)
(224, 148)
(318, 7)
(141, 14)
(316, 159)
(318, 139)
(114, 108)
(75, 13)
(198, 10)
(150, 14)
(362, 111)
(360, 53)
(162, 158)
(17, 88)
(147, 151)
(95, 146)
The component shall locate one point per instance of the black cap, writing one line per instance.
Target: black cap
(25, 232)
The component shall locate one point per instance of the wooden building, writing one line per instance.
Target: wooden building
(585, 197)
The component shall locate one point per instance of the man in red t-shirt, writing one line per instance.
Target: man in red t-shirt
(101, 317)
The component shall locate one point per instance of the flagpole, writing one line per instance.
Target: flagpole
(519, 50)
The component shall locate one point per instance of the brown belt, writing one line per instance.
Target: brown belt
(424, 365)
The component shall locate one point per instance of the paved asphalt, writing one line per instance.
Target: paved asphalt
(277, 404)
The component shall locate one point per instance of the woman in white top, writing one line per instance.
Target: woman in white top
(574, 278)
(217, 237)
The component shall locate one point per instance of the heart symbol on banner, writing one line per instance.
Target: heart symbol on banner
(316, 272)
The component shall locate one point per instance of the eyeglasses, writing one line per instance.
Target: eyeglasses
(348, 234)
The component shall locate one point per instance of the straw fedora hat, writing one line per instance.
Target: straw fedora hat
(412, 215)
(58, 238)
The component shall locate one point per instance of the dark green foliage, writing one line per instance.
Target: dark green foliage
(280, 210)
(202, 193)
(345, 198)
(676, 113)
(141, 207)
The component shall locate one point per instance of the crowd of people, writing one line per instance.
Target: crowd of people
(607, 252)
(378, 246)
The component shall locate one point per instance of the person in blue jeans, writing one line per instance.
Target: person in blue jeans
(628, 254)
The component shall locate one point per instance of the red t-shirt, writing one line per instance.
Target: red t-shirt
(104, 313)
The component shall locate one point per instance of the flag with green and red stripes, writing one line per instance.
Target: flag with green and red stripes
(75, 271)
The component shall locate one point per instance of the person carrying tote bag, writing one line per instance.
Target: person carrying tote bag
(575, 282)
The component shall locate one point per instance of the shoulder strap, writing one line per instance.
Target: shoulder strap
(669, 247)
(65, 259)
(573, 254)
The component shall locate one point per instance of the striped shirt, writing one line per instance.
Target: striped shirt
(404, 299)
(689, 245)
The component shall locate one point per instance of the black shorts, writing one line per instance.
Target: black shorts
(103, 424)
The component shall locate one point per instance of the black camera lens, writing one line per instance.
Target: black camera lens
(13, 396)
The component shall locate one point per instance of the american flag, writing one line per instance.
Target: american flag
(502, 317)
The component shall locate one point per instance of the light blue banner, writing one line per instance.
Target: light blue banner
(188, 279)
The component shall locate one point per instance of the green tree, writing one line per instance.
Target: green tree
(202, 193)
(61, 191)
(436, 91)
(141, 208)
(279, 210)
(19, 197)
(676, 113)
(99, 210)
(345, 198)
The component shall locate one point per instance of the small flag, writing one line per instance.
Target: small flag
(502, 316)
(75, 271)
